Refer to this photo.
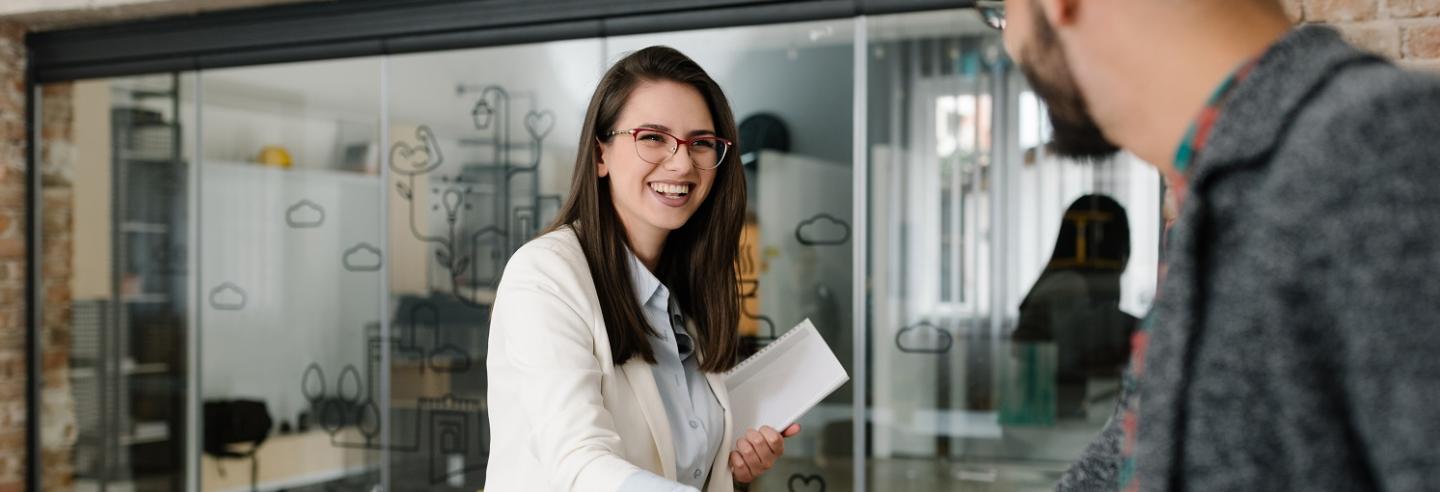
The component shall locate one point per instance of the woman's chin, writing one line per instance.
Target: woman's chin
(670, 221)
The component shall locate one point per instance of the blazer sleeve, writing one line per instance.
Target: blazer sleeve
(1099, 468)
(1372, 261)
(547, 343)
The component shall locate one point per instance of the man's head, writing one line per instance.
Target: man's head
(1132, 73)
(1036, 47)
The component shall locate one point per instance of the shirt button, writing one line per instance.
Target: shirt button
(697, 473)
(694, 424)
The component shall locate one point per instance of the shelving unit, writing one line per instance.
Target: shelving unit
(128, 365)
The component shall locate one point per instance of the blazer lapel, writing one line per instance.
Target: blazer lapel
(642, 381)
(720, 477)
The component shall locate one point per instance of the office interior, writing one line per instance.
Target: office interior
(279, 273)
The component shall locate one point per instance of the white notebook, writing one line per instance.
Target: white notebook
(784, 380)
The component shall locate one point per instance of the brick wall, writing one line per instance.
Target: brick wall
(12, 258)
(58, 428)
(57, 408)
(1407, 31)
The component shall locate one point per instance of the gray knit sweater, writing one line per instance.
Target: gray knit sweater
(1298, 344)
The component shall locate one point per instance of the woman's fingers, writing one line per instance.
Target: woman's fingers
(751, 448)
(740, 469)
(773, 440)
(757, 450)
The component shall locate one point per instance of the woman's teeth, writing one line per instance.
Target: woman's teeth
(675, 190)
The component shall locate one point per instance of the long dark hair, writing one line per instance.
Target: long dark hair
(698, 261)
(1094, 235)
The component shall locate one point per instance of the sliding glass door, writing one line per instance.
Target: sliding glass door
(280, 276)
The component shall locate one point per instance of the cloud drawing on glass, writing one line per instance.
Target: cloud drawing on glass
(227, 297)
(822, 230)
(924, 338)
(305, 214)
(362, 258)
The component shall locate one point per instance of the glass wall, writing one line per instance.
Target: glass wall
(289, 258)
(791, 88)
(1004, 281)
(115, 166)
(480, 157)
(280, 277)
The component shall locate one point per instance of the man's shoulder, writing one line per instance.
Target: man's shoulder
(1369, 124)
(1371, 106)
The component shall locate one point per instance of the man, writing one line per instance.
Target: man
(1295, 341)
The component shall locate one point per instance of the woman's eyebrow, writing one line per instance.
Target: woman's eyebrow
(667, 129)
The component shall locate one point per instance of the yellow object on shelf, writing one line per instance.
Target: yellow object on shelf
(275, 156)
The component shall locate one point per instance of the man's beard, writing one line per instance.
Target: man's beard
(1076, 135)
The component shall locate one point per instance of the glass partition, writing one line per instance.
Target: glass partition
(1004, 281)
(480, 155)
(290, 258)
(114, 281)
(280, 277)
(791, 87)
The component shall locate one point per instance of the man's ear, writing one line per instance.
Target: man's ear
(1060, 13)
(602, 170)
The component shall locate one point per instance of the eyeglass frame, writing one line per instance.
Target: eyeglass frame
(633, 132)
(992, 13)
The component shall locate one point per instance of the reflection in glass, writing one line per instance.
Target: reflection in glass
(115, 240)
(290, 252)
(994, 357)
(478, 166)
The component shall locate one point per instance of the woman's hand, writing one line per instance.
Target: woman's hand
(757, 451)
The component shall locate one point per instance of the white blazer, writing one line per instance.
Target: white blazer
(562, 417)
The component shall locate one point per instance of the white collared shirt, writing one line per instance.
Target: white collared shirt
(697, 422)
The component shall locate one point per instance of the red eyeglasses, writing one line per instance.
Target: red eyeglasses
(656, 146)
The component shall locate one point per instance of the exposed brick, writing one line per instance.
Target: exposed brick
(1422, 42)
(12, 367)
(1379, 37)
(12, 437)
(1295, 9)
(12, 248)
(1341, 10)
(12, 190)
(1401, 9)
(1432, 66)
(12, 129)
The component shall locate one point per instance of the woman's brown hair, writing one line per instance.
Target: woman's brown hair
(698, 261)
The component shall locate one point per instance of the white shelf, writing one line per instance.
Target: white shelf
(144, 227)
(147, 432)
(146, 299)
(129, 369)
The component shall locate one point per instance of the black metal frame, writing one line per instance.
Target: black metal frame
(33, 294)
(349, 28)
(340, 29)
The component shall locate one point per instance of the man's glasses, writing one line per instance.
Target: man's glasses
(655, 146)
(993, 12)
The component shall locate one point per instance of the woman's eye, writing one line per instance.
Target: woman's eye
(652, 137)
(705, 145)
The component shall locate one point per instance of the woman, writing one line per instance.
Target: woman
(1075, 303)
(610, 331)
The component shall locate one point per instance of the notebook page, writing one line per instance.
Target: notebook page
(784, 380)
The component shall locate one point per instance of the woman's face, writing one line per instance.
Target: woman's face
(654, 199)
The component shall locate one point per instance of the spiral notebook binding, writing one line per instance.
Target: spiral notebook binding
(796, 329)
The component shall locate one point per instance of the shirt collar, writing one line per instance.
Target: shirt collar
(648, 288)
(1199, 132)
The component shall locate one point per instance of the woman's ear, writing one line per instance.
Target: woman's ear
(602, 170)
